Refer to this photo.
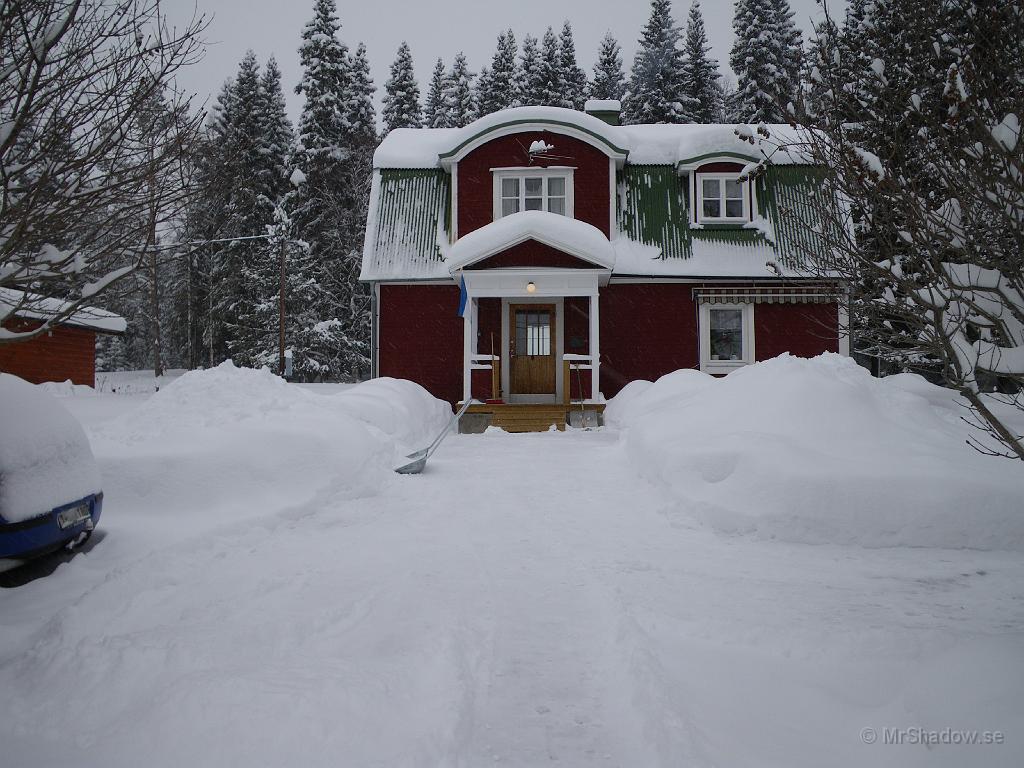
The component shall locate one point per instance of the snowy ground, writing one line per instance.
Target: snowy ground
(528, 600)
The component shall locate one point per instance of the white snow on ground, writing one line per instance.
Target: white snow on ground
(45, 459)
(528, 600)
(819, 451)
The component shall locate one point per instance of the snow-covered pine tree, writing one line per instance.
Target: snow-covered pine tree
(550, 86)
(701, 83)
(496, 87)
(574, 79)
(766, 57)
(654, 93)
(278, 134)
(335, 137)
(459, 99)
(609, 80)
(238, 289)
(482, 89)
(402, 94)
(435, 112)
(528, 88)
(791, 52)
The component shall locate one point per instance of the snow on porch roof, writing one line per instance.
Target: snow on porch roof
(641, 144)
(571, 236)
(35, 307)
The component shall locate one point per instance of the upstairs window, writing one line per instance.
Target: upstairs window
(532, 190)
(722, 198)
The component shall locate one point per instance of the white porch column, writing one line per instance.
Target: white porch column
(595, 347)
(468, 347)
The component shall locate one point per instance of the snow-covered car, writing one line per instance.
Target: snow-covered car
(50, 493)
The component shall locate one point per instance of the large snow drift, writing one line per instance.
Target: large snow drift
(45, 459)
(233, 443)
(818, 451)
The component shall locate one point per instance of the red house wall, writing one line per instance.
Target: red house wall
(590, 179)
(63, 353)
(647, 330)
(420, 337)
(531, 254)
(804, 330)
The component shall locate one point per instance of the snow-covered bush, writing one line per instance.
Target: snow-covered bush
(818, 451)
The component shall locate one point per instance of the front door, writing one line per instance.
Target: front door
(532, 336)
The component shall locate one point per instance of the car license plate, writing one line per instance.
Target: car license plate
(73, 516)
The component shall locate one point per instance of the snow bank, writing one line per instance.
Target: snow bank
(818, 451)
(45, 459)
(231, 444)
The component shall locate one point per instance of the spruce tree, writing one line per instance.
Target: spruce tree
(362, 120)
(336, 137)
(701, 87)
(574, 79)
(655, 92)
(435, 112)
(529, 90)
(766, 57)
(402, 94)
(550, 86)
(459, 100)
(496, 87)
(609, 79)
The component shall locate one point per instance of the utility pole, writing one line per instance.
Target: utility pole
(280, 310)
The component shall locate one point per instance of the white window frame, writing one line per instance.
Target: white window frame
(522, 174)
(700, 178)
(747, 329)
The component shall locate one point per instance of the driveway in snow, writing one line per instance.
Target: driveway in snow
(526, 601)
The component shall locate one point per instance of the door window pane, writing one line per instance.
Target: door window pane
(533, 332)
(726, 334)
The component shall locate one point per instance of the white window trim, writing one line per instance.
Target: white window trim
(724, 366)
(498, 174)
(699, 196)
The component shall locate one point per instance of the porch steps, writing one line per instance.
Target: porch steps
(518, 417)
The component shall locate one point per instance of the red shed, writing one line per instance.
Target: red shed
(66, 351)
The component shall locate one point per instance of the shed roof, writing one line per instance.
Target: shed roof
(35, 307)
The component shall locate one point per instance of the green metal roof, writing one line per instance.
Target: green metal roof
(654, 208)
(412, 207)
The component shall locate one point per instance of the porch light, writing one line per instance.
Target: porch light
(531, 287)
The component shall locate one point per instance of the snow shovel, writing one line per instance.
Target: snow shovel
(419, 458)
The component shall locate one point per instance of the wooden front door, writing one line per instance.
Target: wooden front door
(532, 335)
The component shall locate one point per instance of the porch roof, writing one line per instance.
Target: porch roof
(572, 236)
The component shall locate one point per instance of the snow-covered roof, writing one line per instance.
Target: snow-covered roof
(35, 307)
(568, 235)
(637, 144)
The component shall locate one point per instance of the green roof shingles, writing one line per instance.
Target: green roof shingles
(412, 205)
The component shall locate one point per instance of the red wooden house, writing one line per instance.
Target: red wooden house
(584, 255)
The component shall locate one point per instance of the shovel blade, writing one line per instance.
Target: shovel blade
(413, 467)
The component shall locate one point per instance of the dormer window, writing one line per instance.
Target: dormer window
(722, 197)
(532, 189)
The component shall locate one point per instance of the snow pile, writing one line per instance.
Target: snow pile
(818, 451)
(228, 444)
(66, 388)
(45, 459)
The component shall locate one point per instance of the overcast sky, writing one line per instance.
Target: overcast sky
(433, 28)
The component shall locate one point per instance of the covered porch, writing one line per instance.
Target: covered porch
(531, 346)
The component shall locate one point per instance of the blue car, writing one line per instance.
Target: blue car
(50, 493)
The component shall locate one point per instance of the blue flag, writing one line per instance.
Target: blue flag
(463, 297)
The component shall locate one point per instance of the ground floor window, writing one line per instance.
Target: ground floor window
(726, 336)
